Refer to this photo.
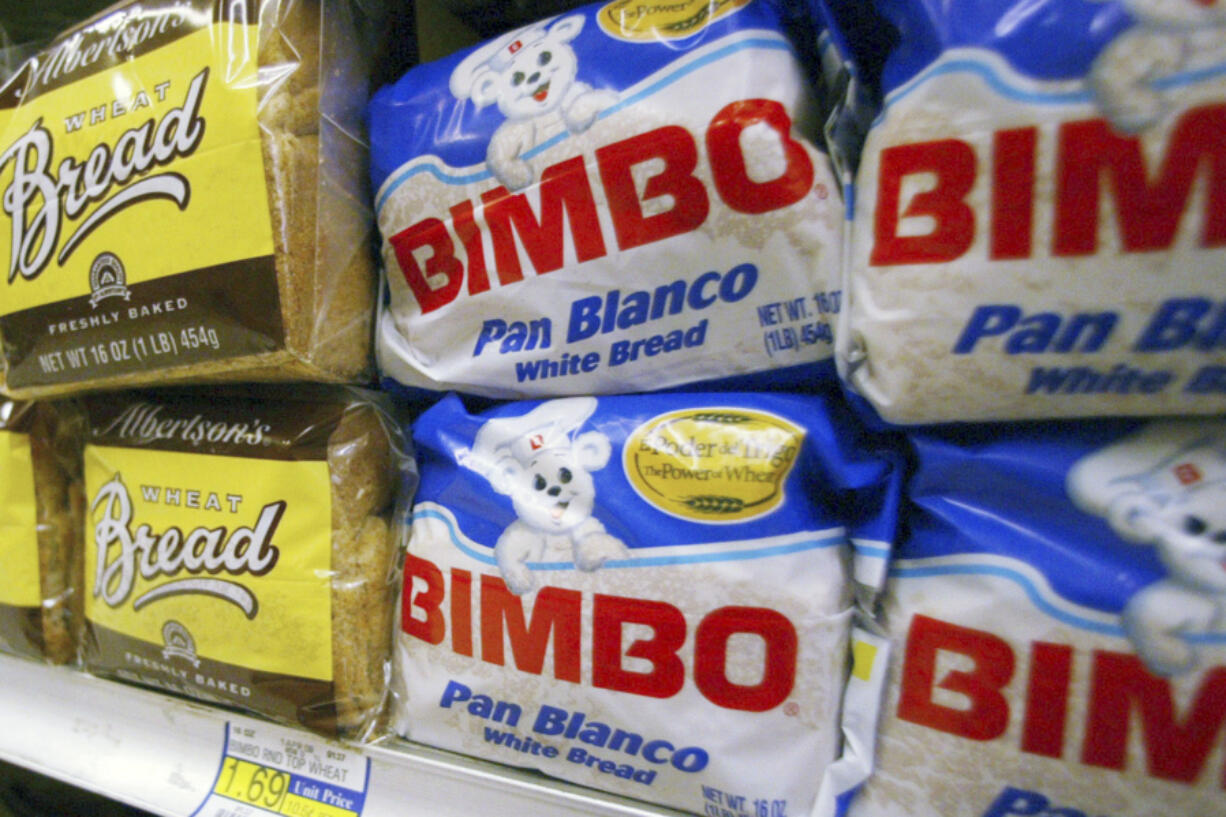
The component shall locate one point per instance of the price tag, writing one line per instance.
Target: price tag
(266, 770)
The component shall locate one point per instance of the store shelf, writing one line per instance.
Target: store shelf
(165, 755)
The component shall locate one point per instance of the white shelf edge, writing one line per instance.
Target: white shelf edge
(162, 754)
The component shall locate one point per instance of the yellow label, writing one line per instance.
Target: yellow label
(863, 655)
(637, 21)
(18, 523)
(225, 558)
(133, 174)
(713, 464)
(269, 789)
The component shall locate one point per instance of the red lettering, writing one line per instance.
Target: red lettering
(1013, 161)
(675, 146)
(565, 188)
(1051, 667)
(1148, 215)
(461, 612)
(1174, 751)
(432, 628)
(474, 250)
(711, 658)
(432, 233)
(952, 161)
(988, 714)
(555, 611)
(667, 673)
(732, 181)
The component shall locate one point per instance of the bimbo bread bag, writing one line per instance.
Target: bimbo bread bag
(622, 198)
(1039, 227)
(1057, 629)
(647, 594)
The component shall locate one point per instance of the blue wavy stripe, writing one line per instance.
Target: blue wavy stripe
(1004, 88)
(642, 561)
(1036, 597)
(655, 87)
(869, 550)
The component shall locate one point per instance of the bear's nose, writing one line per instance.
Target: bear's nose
(532, 79)
(555, 490)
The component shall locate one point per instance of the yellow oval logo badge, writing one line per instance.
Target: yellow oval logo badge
(713, 464)
(638, 21)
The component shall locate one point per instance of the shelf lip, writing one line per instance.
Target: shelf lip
(162, 754)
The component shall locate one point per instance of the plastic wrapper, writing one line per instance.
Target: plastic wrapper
(622, 198)
(185, 198)
(243, 548)
(1038, 225)
(1056, 620)
(41, 518)
(650, 594)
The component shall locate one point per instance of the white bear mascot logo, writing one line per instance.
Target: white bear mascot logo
(545, 469)
(530, 74)
(1170, 36)
(1165, 486)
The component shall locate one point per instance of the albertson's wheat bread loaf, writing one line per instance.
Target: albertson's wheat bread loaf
(1039, 227)
(622, 198)
(650, 595)
(1056, 614)
(243, 549)
(183, 185)
(41, 517)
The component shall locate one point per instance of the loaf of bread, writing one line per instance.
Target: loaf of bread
(269, 572)
(144, 292)
(40, 612)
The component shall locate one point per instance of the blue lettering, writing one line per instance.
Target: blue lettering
(491, 330)
(696, 298)
(454, 693)
(550, 720)
(651, 751)
(690, 759)
(740, 281)
(985, 322)
(584, 319)
(1176, 324)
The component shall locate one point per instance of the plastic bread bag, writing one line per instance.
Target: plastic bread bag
(646, 594)
(41, 518)
(185, 198)
(622, 198)
(1055, 614)
(243, 548)
(1038, 225)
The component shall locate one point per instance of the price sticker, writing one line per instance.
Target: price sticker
(266, 770)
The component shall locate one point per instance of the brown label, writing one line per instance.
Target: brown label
(191, 421)
(175, 666)
(109, 39)
(181, 319)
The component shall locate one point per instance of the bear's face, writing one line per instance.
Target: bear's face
(537, 79)
(554, 492)
(1178, 14)
(1192, 539)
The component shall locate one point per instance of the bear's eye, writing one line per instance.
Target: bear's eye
(539, 483)
(1219, 537)
(564, 475)
(517, 78)
(1194, 525)
(544, 58)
